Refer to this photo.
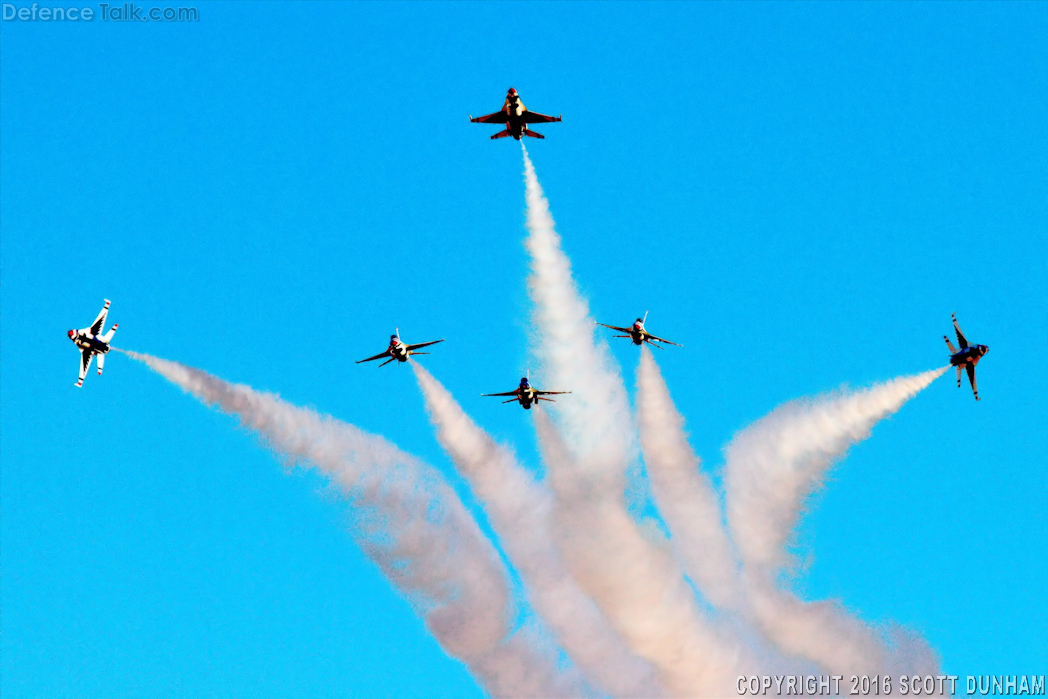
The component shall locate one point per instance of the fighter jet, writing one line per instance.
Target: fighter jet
(398, 350)
(91, 341)
(967, 357)
(638, 334)
(526, 395)
(515, 116)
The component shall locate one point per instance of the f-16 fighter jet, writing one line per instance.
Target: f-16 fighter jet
(967, 357)
(638, 334)
(398, 350)
(526, 395)
(91, 341)
(516, 117)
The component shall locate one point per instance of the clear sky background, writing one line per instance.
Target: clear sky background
(799, 193)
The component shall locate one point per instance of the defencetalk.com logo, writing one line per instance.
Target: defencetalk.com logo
(107, 12)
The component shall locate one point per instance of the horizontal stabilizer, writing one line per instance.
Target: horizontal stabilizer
(500, 134)
(107, 337)
(953, 350)
(533, 134)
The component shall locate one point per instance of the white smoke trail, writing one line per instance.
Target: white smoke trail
(597, 417)
(630, 573)
(685, 495)
(519, 510)
(410, 523)
(771, 469)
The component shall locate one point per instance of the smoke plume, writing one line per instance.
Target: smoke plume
(771, 469)
(629, 572)
(411, 524)
(684, 494)
(519, 510)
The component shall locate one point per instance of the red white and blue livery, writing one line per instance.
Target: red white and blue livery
(966, 357)
(516, 117)
(398, 350)
(526, 395)
(91, 341)
(638, 334)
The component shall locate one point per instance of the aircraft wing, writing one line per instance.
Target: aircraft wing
(96, 327)
(424, 344)
(508, 393)
(536, 118)
(494, 118)
(614, 327)
(971, 378)
(377, 356)
(960, 336)
(659, 339)
(85, 362)
(551, 393)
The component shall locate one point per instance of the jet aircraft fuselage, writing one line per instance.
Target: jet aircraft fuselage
(638, 334)
(966, 357)
(87, 341)
(92, 342)
(527, 395)
(398, 350)
(516, 117)
(972, 355)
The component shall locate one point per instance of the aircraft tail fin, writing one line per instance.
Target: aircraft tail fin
(533, 134)
(501, 134)
(101, 361)
(106, 338)
(953, 350)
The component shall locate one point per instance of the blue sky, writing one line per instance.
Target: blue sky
(800, 193)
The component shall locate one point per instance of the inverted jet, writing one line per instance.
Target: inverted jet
(526, 395)
(638, 334)
(398, 350)
(92, 341)
(967, 357)
(516, 117)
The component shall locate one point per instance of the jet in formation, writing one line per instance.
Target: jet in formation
(967, 357)
(91, 341)
(516, 117)
(526, 395)
(398, 350)
(638, 334)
